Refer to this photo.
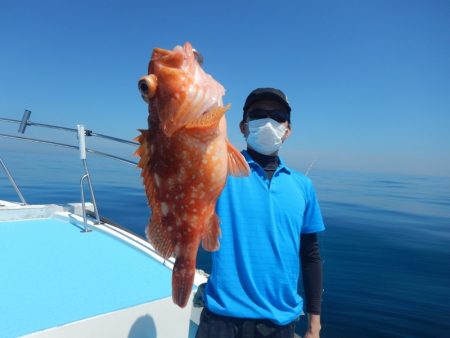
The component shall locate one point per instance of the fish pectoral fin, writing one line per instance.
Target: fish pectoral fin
(210, 119)
(237, 165)
(210, 239)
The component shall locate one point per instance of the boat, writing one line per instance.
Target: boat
(67, 271)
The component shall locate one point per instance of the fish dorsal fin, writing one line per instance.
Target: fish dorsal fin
(143, 150)
(157, 232)
(237, 165)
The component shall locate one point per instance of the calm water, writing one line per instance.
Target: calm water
(386, 249)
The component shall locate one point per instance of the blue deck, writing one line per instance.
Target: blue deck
(52, 274)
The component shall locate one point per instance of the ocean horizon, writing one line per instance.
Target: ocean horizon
(385, 250)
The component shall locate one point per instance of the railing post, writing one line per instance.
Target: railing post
(13, 183)
(83, 204)
(82, 147)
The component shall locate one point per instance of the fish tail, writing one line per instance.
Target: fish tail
(182, 280)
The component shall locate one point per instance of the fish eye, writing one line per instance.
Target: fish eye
(143, 88)
(198, 56)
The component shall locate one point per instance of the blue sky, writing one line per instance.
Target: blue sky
(368, 81)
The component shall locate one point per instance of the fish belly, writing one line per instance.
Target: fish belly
(185, 177)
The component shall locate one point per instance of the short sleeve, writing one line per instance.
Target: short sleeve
(312, 218)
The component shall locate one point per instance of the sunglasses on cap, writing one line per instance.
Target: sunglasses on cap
(276, 114)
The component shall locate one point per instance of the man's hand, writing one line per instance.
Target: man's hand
(314, 327)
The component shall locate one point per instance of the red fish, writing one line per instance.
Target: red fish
(185, 159)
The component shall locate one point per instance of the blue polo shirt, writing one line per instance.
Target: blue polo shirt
(256, 270)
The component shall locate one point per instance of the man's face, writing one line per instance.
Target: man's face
(263, 109)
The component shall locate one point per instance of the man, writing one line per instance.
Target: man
(269, 222)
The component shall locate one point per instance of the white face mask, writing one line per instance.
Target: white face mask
(265, 135)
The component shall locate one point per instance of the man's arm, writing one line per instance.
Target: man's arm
(311, 263)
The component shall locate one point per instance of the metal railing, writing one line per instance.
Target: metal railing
(13, 182)
(81, 133)
(87, 177)
(25, 122)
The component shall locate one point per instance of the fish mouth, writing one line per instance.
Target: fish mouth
(196, 95)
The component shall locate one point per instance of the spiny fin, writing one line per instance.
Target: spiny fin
(159, 237)
(209, 119)
(237, 165)
(140, 138)
(143, 150)
(210, 239)
(158, 234)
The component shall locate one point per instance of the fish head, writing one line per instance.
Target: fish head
(177, 89)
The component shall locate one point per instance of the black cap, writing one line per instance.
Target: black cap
(260, 94)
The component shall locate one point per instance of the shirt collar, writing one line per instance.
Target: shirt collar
(281, 165)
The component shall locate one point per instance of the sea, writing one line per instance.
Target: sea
(385, 250)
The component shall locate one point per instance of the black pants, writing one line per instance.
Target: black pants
(216, 326)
